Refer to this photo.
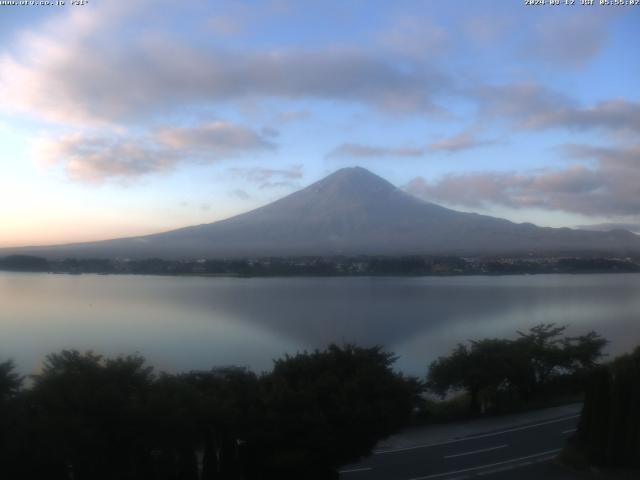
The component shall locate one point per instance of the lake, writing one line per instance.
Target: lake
(183, 323)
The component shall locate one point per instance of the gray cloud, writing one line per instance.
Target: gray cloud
(213, 140)
(570, 40)
(531, 106)
(75, 72)
(463, 141)
(96, 159)
(99, 158)
(58, 78)
(354, 150)
(611, 187)
(613, 114)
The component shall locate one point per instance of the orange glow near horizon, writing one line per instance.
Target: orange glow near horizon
(32, 234)
(77, 227)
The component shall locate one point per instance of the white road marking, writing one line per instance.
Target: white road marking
(474, 437)
(489, 465)
(353, 470)
(476, 451)
(571, 430)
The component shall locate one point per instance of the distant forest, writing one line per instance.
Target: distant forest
(328, 266)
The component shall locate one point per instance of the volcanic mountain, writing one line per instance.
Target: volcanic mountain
(351, 212)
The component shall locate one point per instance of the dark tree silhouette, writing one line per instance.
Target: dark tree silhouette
(10, 385)
(87, 417)
(609, 429)
(90, 415)
(482, 368)
(10, 381)
(583, 352)
(328, 408)
(491, 369)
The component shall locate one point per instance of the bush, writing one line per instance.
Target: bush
(500, 373)
(96, 418)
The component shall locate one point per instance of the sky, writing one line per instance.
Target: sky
(123, 118)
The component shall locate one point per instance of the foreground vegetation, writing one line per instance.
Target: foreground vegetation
(85, 416)
(89, 417)
(500, 374)
(609, 430)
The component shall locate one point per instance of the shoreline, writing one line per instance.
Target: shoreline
(293, 275)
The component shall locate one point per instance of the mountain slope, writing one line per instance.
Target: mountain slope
(352, 211)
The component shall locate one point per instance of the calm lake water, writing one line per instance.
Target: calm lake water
(182, 323)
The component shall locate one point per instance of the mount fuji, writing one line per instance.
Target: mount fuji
(350, 212)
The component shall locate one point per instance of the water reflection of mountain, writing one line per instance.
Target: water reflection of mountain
(190, 322)
(395, 312)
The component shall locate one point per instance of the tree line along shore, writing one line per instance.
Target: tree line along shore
(414, 265)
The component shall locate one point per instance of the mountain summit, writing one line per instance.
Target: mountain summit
(351, 212)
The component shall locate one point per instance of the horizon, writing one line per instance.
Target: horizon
(128, 120)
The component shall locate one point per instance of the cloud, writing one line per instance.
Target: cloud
(47, 64)
(269, 177)
(354, 150)
(213, 140)
(616, 114)
(544, 190)
(570, 41)
(457, 143)
(78, 72)
(533, 107)
(611, 187)
(96, 158)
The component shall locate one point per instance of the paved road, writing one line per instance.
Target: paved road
(481, 454)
